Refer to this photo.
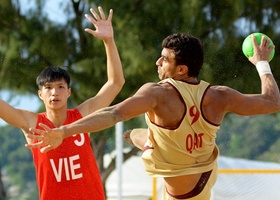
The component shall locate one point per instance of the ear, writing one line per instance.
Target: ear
(69, 92)
(183, 70)
(39, 94)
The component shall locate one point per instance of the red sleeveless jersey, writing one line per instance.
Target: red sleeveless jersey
(70, 171)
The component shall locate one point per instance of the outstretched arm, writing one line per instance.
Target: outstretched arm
(17, 117)
(104, 31)
(144, 100)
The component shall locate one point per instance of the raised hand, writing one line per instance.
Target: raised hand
(103, 27)
(48, 139)
(262, 51)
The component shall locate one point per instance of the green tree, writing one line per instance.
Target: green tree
(253, 137)
(17, 162)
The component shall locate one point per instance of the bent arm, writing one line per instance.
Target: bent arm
(269, 100)
(249, 104)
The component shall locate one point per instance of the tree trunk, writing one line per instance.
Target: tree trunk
(2, 190)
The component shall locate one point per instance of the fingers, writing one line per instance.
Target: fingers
(39, 145)
(110, 15)
(100, 16)
(101, 12)
(35, 137)
(254, 41)
(90, 31)
(35, 131)
(90, 18)
(46, 149)
(38, 131)
(264, 41)
(96, 16)
(34, 145)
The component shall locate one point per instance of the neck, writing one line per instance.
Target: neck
(188, 79)
(57, 117)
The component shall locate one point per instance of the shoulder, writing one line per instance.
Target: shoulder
(221, 96)
(221, 90)
(154, 89)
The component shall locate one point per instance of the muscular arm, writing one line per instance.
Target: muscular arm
(145, 99)
(269, 99)
(220, 100)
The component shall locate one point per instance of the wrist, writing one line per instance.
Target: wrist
(263, 68)
(63, 131)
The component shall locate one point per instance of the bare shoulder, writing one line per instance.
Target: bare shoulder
(220, 91)
(217, 100)
(152, 88)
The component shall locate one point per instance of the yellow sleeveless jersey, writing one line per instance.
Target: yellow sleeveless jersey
(189, 149)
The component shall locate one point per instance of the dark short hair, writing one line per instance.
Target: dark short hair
(188, 51)
(51, 74)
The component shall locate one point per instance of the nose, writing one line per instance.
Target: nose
(54, 91)
(159, 61)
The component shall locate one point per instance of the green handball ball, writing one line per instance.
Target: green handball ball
(247, 46)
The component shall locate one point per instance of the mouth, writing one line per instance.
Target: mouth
(55, 100)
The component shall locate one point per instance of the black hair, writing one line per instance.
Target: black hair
(51, 74)
(188, 51)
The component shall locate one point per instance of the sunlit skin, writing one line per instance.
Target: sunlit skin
(165, 108)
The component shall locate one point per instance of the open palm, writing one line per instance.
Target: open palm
(103, 27)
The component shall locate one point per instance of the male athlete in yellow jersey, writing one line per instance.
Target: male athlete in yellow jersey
(183, 115)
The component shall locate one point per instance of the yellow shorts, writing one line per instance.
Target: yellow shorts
(205, 194)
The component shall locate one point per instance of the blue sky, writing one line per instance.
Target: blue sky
(54, 9)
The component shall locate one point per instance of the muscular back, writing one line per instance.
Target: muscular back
(170, 108)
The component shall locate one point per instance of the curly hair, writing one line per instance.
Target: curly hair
(188, 51)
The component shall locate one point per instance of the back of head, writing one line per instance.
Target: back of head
(188, 51)
(52, 74)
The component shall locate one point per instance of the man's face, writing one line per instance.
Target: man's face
(166, 64)
(55, 94)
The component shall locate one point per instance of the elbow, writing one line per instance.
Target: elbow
(119, 84)
(275, 105)
(277, 102)
(122, 82)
